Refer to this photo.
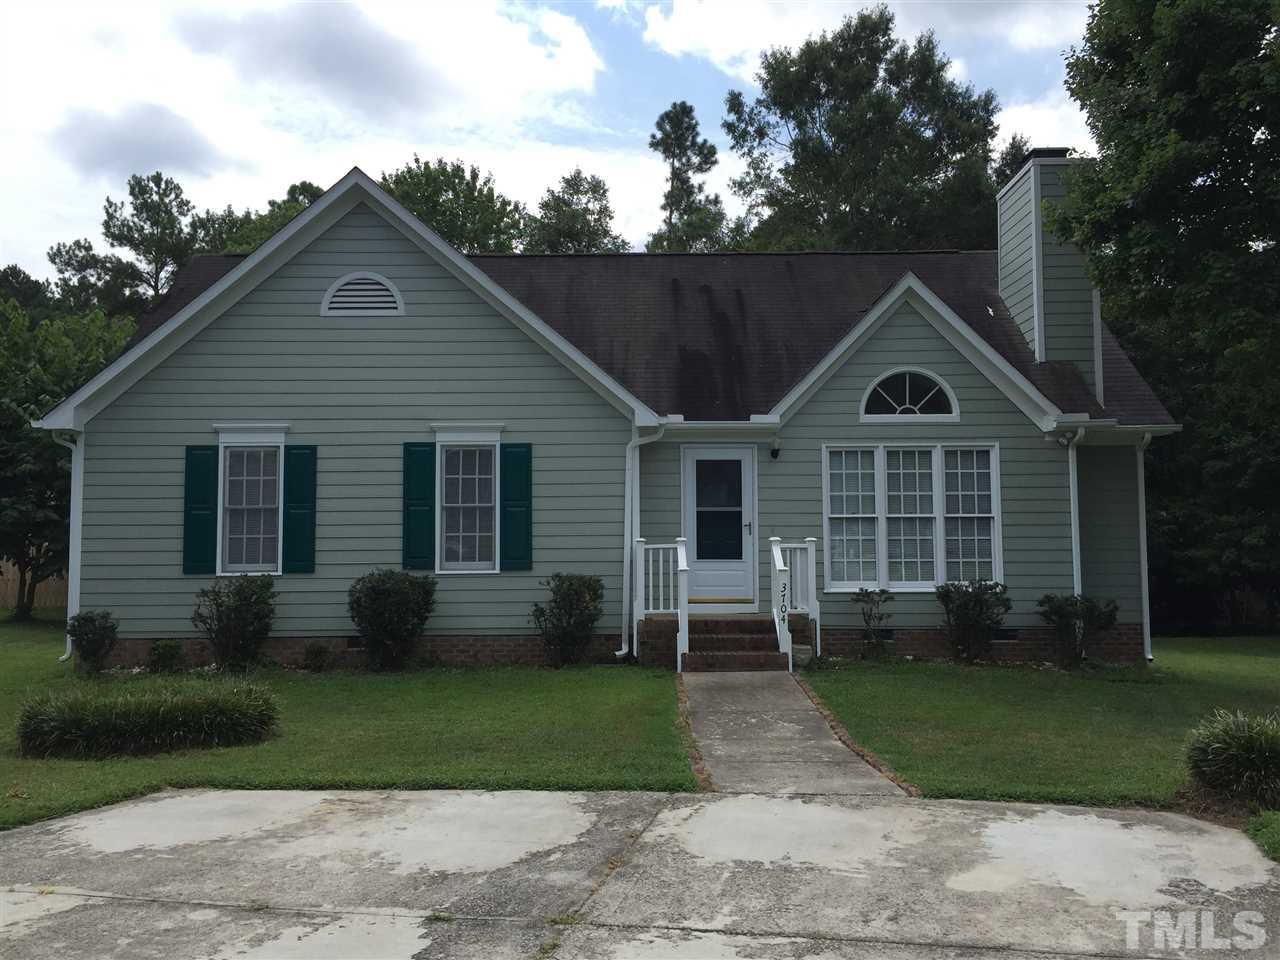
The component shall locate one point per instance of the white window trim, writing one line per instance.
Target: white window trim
(361, 275)
(939, 514)
(251, 435)
(469, 435)
(952, 417)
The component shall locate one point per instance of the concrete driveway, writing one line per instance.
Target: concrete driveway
(463, 874)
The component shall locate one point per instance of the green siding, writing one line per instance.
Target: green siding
(1110, 565)
(357, 388)
(1016, 223)
(1035, 490)
(1068, 292)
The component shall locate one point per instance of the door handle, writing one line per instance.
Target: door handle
(748, 526)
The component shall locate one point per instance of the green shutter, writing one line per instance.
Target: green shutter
(419, 533)
(200, 511)
(517, 507)
(299, 509)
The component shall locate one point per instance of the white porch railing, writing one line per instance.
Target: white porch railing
(661, 578)
(797, 569)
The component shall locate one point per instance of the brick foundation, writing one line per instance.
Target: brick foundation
(1122, 644)
(454, 650)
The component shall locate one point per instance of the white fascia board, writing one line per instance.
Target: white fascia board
(911, 289)
(354, 188)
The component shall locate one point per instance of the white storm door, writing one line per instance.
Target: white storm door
(719, 519)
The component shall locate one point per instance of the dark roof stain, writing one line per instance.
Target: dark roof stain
(724, 336)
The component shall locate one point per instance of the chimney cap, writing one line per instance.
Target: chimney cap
(1049, 153)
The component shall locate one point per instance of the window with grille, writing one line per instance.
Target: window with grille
(468, 507)
(251, 509)
(909, 393)
(910, 517)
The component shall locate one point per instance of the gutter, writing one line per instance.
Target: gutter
(1142, 545)
(76, 447)
(630, 500)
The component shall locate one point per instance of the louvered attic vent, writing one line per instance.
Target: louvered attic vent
(362, 294)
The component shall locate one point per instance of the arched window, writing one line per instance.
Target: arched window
(909, 393)
(362, 295)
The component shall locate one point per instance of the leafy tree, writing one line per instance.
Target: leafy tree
(39, 365)
(1011, 159)
(695, 220)
(227, 231)
(89, 280)
(459, 204)
(1180, 217)
(858, 141)
(575, 218)
(32, 295)
(156, 227)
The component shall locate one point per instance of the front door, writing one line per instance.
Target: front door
(718, 501)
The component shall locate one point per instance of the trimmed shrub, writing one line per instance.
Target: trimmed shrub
(568, 621)
(876, 637)
(166, 656)
(235, 615)
(390, 609)
(974, 612)
(1078, 622)
(130, 718)
(1237, 755)
(317, 657)
(93, 637)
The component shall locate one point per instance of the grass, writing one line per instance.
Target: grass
(1265, 829)
(1105, 738)
(595, 728)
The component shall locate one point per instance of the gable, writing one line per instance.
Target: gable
(354, 189)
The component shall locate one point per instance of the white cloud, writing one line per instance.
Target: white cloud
(1053, 120)
(731, 34)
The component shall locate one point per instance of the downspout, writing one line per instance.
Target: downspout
(1077, 584)
(630, 500)
(1142, 545)
(76, 447)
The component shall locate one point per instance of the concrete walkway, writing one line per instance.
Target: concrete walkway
(759, 733)
(469, 875)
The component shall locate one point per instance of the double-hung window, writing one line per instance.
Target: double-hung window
(468, 507)
(910, 516)
(251, 486)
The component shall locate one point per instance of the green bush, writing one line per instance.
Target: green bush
(1237, 755)
(93, 637)
(166, 656)
(235, 615)
(108, 719)
(876, 637)
(1079, 622)
(974, 612)
(568, 621)
(317, 657)
(390, 609)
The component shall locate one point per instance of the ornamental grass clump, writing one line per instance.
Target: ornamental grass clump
(130, 717)
(1237, 756)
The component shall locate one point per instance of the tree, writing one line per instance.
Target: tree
(459, 204)
(858, 141)
(576, 218)
(227, 231)
(1179, 215)
(695, 220)
(88, 281)
(157, 228)
(39, 365)
(1011, 159)
(32, 295)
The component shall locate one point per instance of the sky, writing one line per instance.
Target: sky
(238, 100)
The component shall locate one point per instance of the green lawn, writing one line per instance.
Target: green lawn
(593, 729)
(1012, 733)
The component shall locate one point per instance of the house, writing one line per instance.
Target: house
(734, 442)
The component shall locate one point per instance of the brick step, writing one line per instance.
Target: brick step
(732, 642)
(735, 660)
(702, 626)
